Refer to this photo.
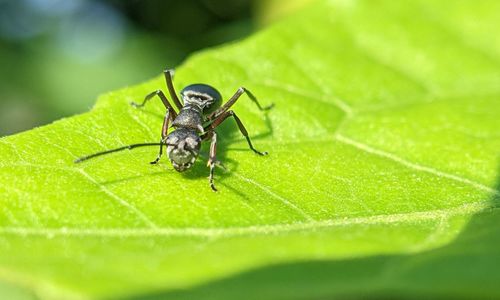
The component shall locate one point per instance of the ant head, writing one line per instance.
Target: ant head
(183, 147)
(200, 94)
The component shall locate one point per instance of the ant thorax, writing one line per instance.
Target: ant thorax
(189, 117)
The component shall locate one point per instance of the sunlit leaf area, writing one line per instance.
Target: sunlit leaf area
(382, 179)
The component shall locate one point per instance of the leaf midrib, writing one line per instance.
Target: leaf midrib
(411, 217)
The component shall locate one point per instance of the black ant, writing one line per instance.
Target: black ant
(195, 122)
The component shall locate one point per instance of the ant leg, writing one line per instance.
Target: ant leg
(212, 160)
(164, 133)
(163, 99)
(208, 136)
(233, 100)
(154, 162)
(254, 99)
(169, 74)
(242, 128)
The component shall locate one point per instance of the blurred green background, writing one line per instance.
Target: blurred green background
(57, 56)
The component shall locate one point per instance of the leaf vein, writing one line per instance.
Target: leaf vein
(285, 201)
(120, 200)
(412, 165)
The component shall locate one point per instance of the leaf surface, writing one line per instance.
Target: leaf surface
(382, 176)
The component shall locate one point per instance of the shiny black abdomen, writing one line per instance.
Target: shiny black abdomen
(203, 96)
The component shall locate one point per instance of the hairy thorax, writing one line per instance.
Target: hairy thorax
(189, 117)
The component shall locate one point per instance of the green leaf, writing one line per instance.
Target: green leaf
(382, 178)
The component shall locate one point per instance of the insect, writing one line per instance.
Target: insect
(194, 121)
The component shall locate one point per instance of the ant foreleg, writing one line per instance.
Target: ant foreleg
(164, 133)
(242, 128)
(212, 160)
(154, 162)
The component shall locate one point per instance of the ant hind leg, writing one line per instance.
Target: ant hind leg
(169, 74)
(163, 99)
(242, 128)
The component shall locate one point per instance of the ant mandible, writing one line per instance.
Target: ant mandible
(195, 122)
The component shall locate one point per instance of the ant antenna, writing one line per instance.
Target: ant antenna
(128, 147)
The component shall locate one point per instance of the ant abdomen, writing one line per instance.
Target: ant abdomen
(201, 95)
